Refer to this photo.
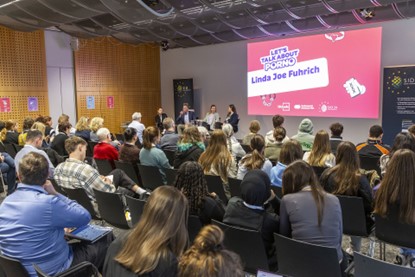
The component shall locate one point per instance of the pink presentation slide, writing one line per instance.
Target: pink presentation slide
(328, 75)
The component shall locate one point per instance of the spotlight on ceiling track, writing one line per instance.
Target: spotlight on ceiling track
(366, 13)
(164, 45)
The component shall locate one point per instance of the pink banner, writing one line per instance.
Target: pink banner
(5, 106)
(110, 102)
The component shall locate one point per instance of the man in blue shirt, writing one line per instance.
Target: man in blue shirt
(33, 218)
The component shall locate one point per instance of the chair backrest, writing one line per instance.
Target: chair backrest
(277, 191)
(104, 166)
(247, 244)
(120, 137)
(370, 163)
(151, 176)
(193, 226)
(136, 207)
(57, 187)
(10, 149)
(12, 267)
(170, 176)
(235, 187)
(318, 170)
(80, 196)
(353, 214)
(365, 266)
(297, 258)
(129, 169)
(111, 208)
(84, 269)
(90, 148)
(170, 156)
(395, 232)
(214, 184)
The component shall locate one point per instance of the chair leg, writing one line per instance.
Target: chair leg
(372, 245)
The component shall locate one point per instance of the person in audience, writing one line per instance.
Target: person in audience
(277, 121)
(33, 231)
(189, 147)
(185, 117)
(129, 152)
(47, 120)
(273, 149)
(169, 140)
(104, 150)
(64, 118)
(75, 173)
(411, 130)
(320, 154)
(207, 257)
(204, 133)
(373, 147)
(9, 133)
(217, 160)
(191, 182)
(251, 210)
(305, 134)
(254, 128)
(212, 117)
(402, 141)
(345, 179)
(157, 241)
(255, 159)
(27, 124)
(336, 130)
(232, 143)
(395, 197)
(58, 143)
(307, 212)
(34, 140)
(82, 129)
(160, 116)
(290, 152)
(54, 157)
(8, 170)
(232, 118)
(42, 128)
(95, 125)
(152, 156)
(136, 124)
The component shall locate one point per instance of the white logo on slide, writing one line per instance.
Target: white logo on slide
(286, 106)
(353, 87)
(335, 36)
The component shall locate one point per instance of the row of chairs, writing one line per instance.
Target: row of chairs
(10, 148)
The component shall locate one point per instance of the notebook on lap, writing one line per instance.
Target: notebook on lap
(90, 233)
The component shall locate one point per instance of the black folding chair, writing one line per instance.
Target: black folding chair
(170, 176)
(170, 156)
(366, 266)
(129, 169)
(214, 184)
(318, 170)
(277, 191)
(80, 196)
(235, 187)
(136, 207)
(10, 149)
(111, 208)
(150, 176)
(370, 163)
(83, 269)
(12, 267)
(90, 148)
(193, 226)
(57, 187)
(298, 258)
(247, 244)
(104, 166)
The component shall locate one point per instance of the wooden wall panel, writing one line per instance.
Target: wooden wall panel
(131, 74)
(23, 73)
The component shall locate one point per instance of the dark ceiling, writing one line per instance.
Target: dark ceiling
(188, 23)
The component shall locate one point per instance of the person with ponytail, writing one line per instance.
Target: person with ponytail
(232, 143)
(153, 246)
(273, 148)
(307, 212)
(191, 181)
(207, 257)
(255, 159)
(320, 154)
(9, 133)
(152, 156)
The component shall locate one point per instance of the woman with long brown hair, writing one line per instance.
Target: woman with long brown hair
(191, 181)
(345, 179)
(255, 159)
(9, 133)
(290, 152)
(155, 243)
(207, 257)
(307, 212)
(217, 160)
(395, 198)
(189, 147)
(402, 141)
(320, 154)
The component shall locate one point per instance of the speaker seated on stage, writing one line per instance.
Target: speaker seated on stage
(185, 117)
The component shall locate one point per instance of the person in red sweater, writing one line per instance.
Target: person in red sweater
(104, 150)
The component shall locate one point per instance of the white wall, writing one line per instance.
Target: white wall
(60, 74)
(219, 77)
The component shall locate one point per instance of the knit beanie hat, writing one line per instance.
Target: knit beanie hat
(306, 126)
(256, 187)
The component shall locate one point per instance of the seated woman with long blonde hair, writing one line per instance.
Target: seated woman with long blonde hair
(320, 154)
(152, 248)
